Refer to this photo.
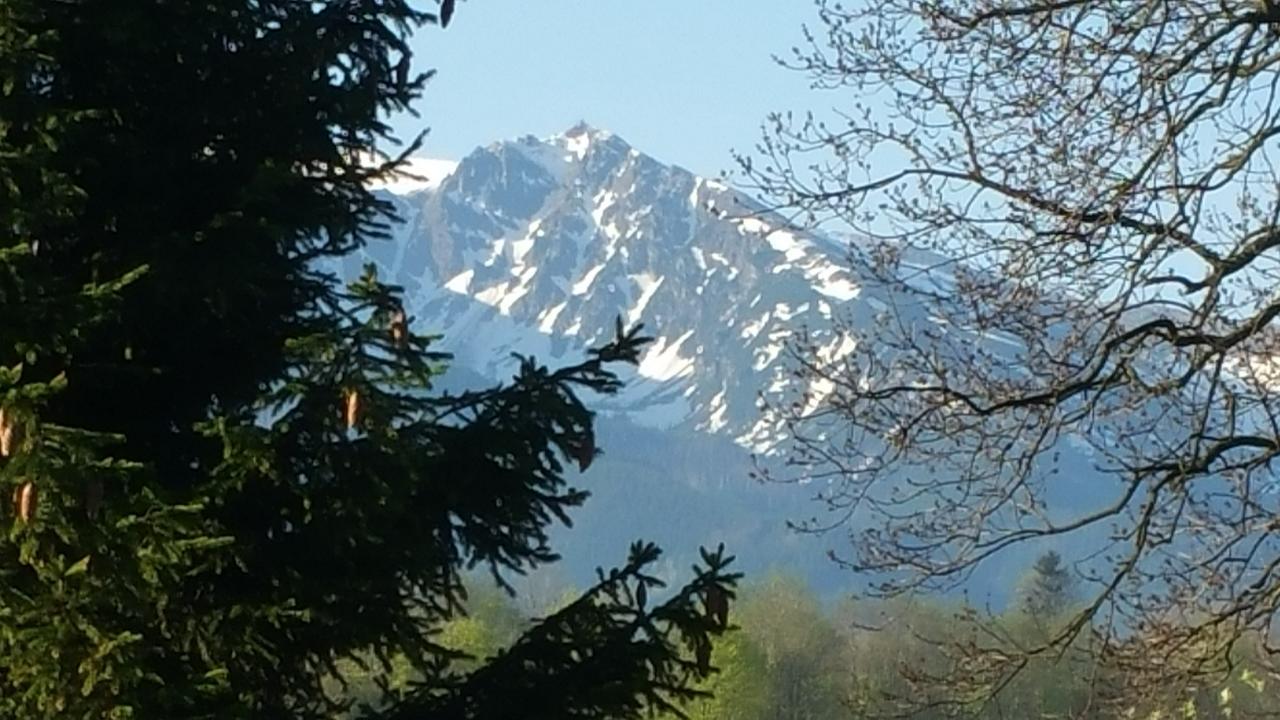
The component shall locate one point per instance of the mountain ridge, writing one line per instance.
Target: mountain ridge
(537, 245)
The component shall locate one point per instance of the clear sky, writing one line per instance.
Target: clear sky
(683, 80)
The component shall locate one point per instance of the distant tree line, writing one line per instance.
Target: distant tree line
(794, 656)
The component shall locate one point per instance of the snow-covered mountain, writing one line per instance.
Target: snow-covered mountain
(537, 245)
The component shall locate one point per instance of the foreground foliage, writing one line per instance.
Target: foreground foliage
(1073, 208)
(794, 657)
(227, 478)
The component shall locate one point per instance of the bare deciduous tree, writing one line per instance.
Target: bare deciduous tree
(1098, 189)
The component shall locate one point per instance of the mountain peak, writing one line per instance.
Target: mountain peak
(579, 138)
(582, 127)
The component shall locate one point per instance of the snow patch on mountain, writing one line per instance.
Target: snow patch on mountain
(461, 282)
(663, 361)
(417, 174)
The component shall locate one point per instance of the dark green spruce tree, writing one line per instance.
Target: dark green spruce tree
(1048, 589)
(223, 474)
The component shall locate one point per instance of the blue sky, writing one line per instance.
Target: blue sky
(682, 80)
